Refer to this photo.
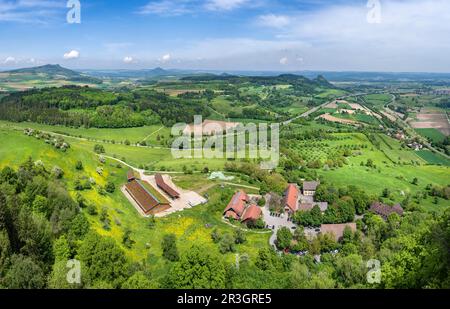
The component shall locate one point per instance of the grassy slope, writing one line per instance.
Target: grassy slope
(189, 225)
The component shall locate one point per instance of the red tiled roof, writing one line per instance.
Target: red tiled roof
(337, 229)
(231, 214)
(291, 197)
(237, 203)
(252, 213)
(165, 187)
(145, 201)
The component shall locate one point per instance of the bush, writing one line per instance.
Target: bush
(110, 187)
(99, 149)
(169, 246)
(79, 166)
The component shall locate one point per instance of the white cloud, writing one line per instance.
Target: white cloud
(30, 11)
(182, 7)
(412, 36)
(167, 7)
(10, 60)
(166, 58)
(128, 60)
(284, 61)
(225, 5)
(274, 21)
(73, 54)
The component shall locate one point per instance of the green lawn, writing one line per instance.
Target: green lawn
(433, 134)
(433, 158)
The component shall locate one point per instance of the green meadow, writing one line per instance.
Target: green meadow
(433, 134)
(190, 226)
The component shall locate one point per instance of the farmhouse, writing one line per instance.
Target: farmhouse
(337, 229)
(385, 210)
(211, 127)
(310, 187)
(252, 213)
(165, 187)
(295, 201)
(291, 199)
(148, 202)
(239, 208)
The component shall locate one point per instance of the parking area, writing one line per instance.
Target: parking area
(276, 221)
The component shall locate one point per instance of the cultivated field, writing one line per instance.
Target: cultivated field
(430, 119)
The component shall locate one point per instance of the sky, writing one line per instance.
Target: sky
(227, 35)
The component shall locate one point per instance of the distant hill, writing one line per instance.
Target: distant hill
(55, 71)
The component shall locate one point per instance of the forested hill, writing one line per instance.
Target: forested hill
(89, 107)
(301, 84)
(55, 72)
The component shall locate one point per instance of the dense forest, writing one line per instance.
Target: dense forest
(88, 107)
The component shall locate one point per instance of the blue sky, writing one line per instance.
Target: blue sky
(403, 35)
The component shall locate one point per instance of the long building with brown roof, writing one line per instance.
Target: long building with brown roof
(165, 187)
(148, 203)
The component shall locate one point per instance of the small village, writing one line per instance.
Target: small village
(158, 196)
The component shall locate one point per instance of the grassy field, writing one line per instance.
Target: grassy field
(377, 99)
(190, 226)
(433, 134)
(134, 135)
(395, 167)
(393, 150)
(433, 158)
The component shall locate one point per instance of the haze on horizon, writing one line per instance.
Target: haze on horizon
(229, 35)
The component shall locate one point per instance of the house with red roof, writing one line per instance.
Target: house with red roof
(239, 208)
(252, 213)
(291, 199)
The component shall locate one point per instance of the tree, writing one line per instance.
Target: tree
(103, 259)
(99, 149)
(227, 244)
(215, 236)
(61, 249)
(169, 247)
(110, 187)
(79, 166)
(126, 239)
(24, 273)
(239, 236)
(350, 270)
(138, 281)
(197, 269)
(284, 238)
(40, 205)
(415, 181)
